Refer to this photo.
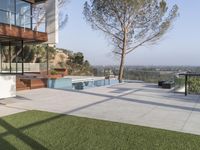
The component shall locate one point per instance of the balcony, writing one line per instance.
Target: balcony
(13, 33)
(18, 23)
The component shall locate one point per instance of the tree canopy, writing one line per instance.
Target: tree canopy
(130, 23)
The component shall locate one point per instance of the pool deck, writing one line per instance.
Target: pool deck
(133, 103)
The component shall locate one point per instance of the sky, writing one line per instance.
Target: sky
(180, 46)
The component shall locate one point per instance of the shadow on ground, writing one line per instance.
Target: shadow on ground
(20, 136)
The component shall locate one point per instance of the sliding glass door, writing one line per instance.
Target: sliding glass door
(11, 59)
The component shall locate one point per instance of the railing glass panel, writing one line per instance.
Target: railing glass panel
(7, 17)
(23, 13)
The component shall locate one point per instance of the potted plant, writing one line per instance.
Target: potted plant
(55, 75)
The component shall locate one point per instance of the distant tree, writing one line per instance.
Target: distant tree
(130, 23)
(86, 63)
(78, 58)
(77, 65)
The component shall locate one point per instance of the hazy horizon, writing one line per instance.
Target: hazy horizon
(180, 46)
(150, 65)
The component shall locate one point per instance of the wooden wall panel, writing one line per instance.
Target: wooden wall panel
(22, 34)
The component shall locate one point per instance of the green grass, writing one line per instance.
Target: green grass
(42, 130)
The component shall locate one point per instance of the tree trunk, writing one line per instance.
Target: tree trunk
(39, 23)
(123, 55)
(34, 59)
(16, 54)
(121, 69)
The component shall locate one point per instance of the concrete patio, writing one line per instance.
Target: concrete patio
(134, 103)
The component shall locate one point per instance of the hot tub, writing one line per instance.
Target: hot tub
(7, 86)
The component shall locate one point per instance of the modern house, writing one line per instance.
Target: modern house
(21, 24)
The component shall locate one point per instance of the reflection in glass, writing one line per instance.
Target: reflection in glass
(18, 13)
(7, 11)
(23, 14)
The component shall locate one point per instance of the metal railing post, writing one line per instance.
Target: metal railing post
(22, 46)
(186, 85)
(24, 22)
(10, 19)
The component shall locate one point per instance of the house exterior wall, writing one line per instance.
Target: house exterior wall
(7, 86)
(52, 21)
(16, 28)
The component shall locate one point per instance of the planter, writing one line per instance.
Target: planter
(62, 71)
(57, 76)
(160, 83)
(168, 85)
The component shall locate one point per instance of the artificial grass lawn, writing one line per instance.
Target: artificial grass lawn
(42, 130)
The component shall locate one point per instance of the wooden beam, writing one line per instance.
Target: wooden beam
(30, 1)
(34, 1)
(22, 34)
(40, 1)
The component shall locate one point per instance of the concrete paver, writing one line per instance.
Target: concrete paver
(134, 103)
(5, 111)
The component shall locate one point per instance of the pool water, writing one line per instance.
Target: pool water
(94, 83)
(67, 83)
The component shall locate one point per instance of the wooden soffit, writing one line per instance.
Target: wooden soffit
(18, 33)
(35, 1)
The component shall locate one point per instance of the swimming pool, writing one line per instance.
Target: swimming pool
(94, 83)
(80, 83)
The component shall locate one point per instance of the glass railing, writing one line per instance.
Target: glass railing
(170, 75)
(7, 17)
(28, 67)
(192, 83)
(149, 76)
(24, 21)
(179, 84)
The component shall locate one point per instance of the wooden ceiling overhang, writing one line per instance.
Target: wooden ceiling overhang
(13, 33)
(34, 1)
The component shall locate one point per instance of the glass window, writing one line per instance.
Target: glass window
(7, 11)
(18, 13)
(23, 14)
(8, 5)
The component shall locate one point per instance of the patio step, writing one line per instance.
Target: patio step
(20, 85)
(35, 83)
(22, 89)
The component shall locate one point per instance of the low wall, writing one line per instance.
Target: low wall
(28, 67)
(62, 83)
(7, 86)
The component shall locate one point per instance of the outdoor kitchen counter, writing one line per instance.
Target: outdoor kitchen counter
(7, 86)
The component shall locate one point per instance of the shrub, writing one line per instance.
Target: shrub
(53, 72)
(194, 85)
